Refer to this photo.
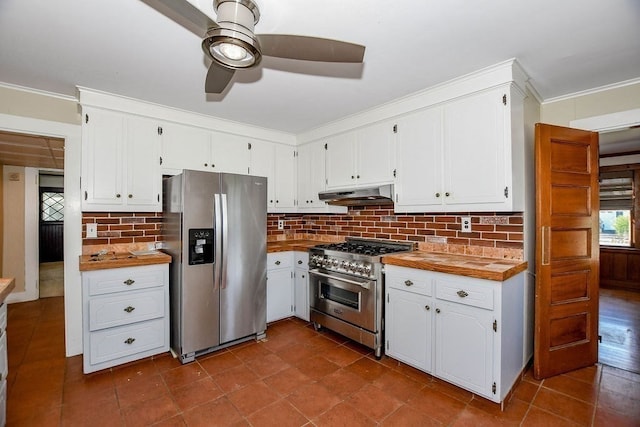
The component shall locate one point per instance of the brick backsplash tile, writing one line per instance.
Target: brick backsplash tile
(497, 235)
(122, 230)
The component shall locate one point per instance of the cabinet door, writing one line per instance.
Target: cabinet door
(340, 160)
(285, 176)
(375, 154)
(230, 153)
(103, 139)
(408, 327)
(419, 160)
(474, 149)
(261, 160)
(464, 346)
(144, 179)
(301, 293)
(185, 147)
(279, 294)
(311, 175)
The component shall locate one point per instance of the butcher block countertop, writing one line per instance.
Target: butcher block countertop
(463, 265)
(292, 245)
(119, 260)
(6, 286)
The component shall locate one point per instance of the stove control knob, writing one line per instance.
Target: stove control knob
(367, 270)
(335, 262)
(359, 268)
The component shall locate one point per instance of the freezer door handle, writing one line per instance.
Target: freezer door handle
(217, 267)
(225, 233)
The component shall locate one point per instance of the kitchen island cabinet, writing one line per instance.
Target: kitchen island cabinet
(470, 333)
(125, 314)
(120, 163)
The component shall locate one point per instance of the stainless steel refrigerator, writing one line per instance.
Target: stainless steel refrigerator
(215, 228)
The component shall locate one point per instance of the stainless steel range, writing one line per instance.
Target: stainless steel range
(346, 288)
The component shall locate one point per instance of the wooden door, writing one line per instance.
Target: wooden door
(567, 251)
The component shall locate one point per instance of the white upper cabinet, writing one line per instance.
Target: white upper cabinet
(120, 163)
(419, 161)
(360, 158)
(311, 175)
(277, 163)
(475, 147)
(462, 156)
(185, 147)
(190, 147)
(230, 153)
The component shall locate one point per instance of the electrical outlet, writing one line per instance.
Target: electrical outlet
(466, 224)
(92, 230)
(281, 224)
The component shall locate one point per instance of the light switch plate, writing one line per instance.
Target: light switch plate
(466, 224)
(92, 230)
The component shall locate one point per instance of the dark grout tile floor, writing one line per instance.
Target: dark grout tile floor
(297, 377)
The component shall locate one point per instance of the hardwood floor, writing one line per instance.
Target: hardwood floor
(620, 329)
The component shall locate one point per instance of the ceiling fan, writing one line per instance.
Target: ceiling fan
(232, 45)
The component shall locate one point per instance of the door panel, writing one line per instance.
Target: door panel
(567, 218)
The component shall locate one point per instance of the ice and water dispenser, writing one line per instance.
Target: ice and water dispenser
(201, 246)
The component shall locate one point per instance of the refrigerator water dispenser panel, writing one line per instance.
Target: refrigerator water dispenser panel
(201, 246)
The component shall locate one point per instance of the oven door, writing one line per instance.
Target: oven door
(348, 298)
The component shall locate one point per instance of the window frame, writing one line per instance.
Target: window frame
(635, 208)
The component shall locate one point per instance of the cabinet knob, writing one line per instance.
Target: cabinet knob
(408, 283)
(358, 176)
(206, 164)
(427, 307)
(437, 310)
(131, 196)
(437, 194)
(277, 201)
(212, 165)
(270, 201)
(303, 276)
(129, 309)
(299, 261)
(129, 282)
(118, 195)
(353, 177)
(447, 194)
(462, 294)
(277, 262)
(129, 340)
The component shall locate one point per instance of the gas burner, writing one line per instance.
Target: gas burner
(367, 247)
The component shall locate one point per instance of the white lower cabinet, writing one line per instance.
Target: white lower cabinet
(301, 285)
(279, 286)
(125, 314)
(464, 330)
(408, 318)
(287, 285)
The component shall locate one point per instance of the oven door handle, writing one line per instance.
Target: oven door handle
(365, 285)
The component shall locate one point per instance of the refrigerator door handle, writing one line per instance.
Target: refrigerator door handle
(225, 234)
(217, 267)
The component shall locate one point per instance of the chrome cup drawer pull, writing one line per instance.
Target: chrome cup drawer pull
(129, 309)
(462, 294)
(129, 282)
(129, 340)
(408, 283)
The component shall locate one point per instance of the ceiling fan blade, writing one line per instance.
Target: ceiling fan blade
(309, 48)
(185, 14)
(218, 77)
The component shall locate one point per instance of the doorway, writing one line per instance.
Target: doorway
(51, 235)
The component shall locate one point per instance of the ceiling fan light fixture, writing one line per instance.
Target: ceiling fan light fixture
(231, 48)
(232, 51)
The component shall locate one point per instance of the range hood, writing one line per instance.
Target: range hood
(380, 195)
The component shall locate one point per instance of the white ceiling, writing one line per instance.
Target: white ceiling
(128, 48)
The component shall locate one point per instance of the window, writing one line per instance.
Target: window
(51, 206)
(617, 208)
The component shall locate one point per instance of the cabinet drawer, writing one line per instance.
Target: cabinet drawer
(465, 292)
(301, 259)
(279, 260)
(3, 318)
(115, 343)
(101, 282)
(125, 308)
(409, 279)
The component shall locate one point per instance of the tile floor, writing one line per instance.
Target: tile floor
(298, 377)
